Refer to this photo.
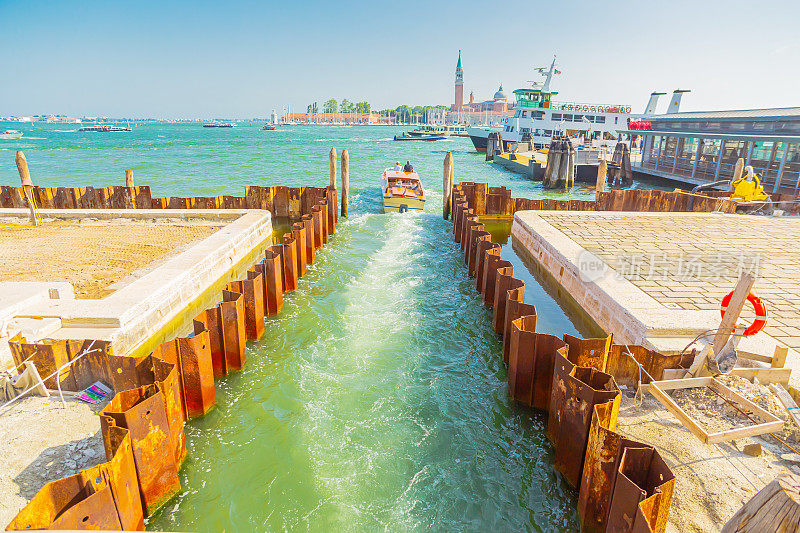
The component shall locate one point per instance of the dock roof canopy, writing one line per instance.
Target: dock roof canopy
(763, 114)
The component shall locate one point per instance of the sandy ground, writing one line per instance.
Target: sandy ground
(91, 254)
(42, 441)
(712, 481)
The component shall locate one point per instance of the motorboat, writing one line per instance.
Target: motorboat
(269, 126)
(11, 134)
(401, 191)
(405, 137)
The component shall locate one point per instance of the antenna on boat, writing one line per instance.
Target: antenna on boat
(547, 73)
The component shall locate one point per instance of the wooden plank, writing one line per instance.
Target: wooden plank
(764, 375)
(728, 323)
(779, 358)
(740, 433)
(744, 402)
(685, 383)
(673, 373)
(675, 409)
(773, 508)
(771, 422)
(787, 401)
(741, 354)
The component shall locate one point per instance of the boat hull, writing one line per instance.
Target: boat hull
(399, 204)
(10, 136)
(480, 142)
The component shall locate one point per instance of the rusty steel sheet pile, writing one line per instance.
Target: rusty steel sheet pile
(623, 485)
(496, 202)
(142, 425)
(288, 202)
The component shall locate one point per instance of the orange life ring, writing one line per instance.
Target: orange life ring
(608, 109)
(628, 109)
(585, 108)
(569, 107)
(758, 305)
(593, 109)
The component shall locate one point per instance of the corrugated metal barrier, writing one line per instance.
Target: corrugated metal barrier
(624, 485)
(142, 426)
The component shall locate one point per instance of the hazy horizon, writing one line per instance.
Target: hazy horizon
(244, 59)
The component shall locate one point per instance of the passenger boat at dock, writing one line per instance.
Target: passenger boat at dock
(11, 134)
(401, 191)
(537, 114)
(220, 125)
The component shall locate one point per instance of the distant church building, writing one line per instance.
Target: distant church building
(485, 112)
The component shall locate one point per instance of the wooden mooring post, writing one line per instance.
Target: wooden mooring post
(27, 184)
(447, 185)
(332, 164)
(602, 172)
(129, 179)
(345, 180)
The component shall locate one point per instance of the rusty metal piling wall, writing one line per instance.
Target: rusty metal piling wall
(142, 426)
(623, 485)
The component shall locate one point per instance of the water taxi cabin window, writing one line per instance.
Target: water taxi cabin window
(577, 118)
(567, 117)
(537, 115)
(556, 116)
(524, 114)
(590, 118)
(516, 114)
(525, 130)
(548, 133)
(600, 120)
(616, 120)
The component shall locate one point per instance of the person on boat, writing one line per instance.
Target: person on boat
(408, 167)
(397, 166)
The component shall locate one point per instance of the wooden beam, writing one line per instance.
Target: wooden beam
(773, 508)
(771, 422)
(728, 323)
(779, 358)
(764, 375)
(675, 409)
(787, 401)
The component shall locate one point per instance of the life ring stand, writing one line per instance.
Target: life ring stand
(760, 309)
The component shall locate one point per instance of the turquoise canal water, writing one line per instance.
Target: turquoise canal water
(377, 399)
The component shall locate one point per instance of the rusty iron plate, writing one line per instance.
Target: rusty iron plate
(197, 374)
(142, 411)
(233, 334)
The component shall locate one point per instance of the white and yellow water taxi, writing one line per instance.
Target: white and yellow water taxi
(401, 191)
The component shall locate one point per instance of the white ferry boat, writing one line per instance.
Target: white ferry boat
(105, 128)
(538, 114)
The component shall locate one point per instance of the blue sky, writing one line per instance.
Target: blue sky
(243, 59)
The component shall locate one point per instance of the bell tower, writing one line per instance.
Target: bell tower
(459, 102)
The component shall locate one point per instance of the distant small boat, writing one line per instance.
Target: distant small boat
(269, 126)
(401, 191)
(405, 137)
(220, 125)
(104, 128)
(11, 134)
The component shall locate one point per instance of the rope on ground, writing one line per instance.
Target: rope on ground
(87, 351)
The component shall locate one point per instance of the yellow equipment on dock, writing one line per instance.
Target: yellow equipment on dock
(748, 188)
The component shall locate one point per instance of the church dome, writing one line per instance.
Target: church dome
(500, 95)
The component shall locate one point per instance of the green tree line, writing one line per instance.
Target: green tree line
(403, 113)
(346, 106)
